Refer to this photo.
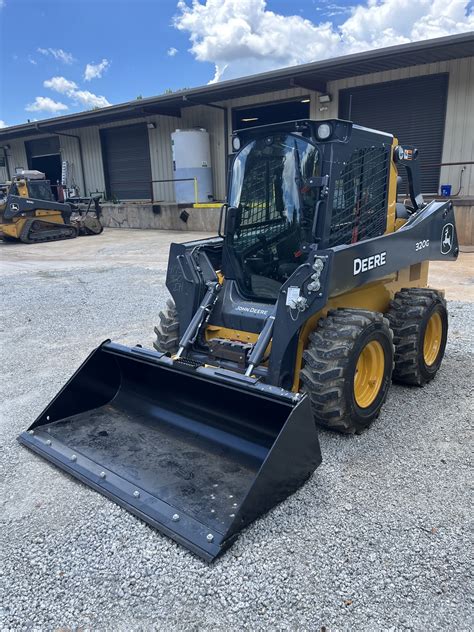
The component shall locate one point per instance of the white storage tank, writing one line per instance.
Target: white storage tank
(192, 159)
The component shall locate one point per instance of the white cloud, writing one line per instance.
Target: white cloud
(70, 89)
(60, 84)
(88, 99)
(171, 52)
(242, 37)
(95, 71)
(2, 123)
(32, 60)
(45, 104)
(58, 53)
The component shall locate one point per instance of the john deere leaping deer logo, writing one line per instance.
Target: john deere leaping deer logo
(14, 207)
(447, 235)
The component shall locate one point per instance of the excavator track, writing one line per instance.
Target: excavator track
(37, 231)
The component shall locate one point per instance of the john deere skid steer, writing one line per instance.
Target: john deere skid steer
(30, 214)
(300, 314)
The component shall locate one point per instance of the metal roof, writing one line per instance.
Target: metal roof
(312, 76)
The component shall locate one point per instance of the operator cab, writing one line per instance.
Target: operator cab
(275, 202)
(31, 183)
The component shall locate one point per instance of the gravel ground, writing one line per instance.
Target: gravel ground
(378, 539)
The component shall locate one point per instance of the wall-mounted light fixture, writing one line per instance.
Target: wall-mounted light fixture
(325, 98)
(248, 120)
(305, 100)
(151, 125)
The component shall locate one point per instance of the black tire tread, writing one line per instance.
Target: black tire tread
(167, 330)
(405, 316)
(325, 363)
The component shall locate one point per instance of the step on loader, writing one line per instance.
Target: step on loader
(300, 313)
(30, 214)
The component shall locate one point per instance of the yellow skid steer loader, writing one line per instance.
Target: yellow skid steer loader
(300, 314)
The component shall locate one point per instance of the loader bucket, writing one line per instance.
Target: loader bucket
(197, 453)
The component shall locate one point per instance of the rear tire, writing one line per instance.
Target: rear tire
(347, 369)
(167, 331)
(419, 320)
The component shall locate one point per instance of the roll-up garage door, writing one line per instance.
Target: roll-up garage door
(127, 162)
(413, 110)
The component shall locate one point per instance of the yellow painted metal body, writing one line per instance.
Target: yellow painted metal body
(14, 229)
(432, 340)
(369, 374)
(373, 296)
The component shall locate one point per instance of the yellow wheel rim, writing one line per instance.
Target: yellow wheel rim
(369, 374)
(432, 341)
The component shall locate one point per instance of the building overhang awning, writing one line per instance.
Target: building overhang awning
(312, 76)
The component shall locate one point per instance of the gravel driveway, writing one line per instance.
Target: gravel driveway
(378, 539)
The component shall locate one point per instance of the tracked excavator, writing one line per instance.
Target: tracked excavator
(311, 300)
(30, 214)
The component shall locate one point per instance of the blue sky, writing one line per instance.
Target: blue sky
(145, 47)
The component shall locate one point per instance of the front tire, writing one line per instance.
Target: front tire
(419, 320)
(347, 369)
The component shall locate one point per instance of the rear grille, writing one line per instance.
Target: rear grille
(360, 197)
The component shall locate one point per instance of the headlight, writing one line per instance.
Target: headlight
(236, 143)
(398, 153)
(324, 131)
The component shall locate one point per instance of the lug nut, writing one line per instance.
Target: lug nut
(175, 517)
(210, 537)
(136, 493)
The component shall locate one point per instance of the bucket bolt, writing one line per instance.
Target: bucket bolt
(73, 457)
(175, 517)
(210, 537)
(136, 493)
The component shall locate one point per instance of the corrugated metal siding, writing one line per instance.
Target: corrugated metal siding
(458, 141)
(459, 132)
(17, 155)
(413, 110)
(70, 152)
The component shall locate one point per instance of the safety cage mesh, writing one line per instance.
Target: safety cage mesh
(360, 197)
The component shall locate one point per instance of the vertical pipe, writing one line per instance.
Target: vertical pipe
(196, 195)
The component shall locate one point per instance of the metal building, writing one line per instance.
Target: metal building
(422, 92)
